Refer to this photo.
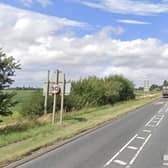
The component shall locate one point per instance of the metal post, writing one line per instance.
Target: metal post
(55, 98)
(62, 99)
(46, 96)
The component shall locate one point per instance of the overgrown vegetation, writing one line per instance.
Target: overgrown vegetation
(90, 92)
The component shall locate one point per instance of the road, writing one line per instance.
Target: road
(136, 140)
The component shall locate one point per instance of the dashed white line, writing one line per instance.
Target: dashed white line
(149, 121)
(148, 131)
(149, 125)
(140, 137)
(165, 164)
(160, 121)
(140, 149)
(132, 147)
(120, 162)
(108, 163)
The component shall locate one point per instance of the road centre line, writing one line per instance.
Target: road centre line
(160, 121)
(109, 162)
(132, 147)
(140, 137)
(120, 162)
(149, 125)
(140, 149)
(148, 131)
(149, 121)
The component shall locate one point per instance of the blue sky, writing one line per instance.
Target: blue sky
(74, 10)
(82, 37)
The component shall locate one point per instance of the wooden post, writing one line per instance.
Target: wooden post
(55, 99)
(62, 99)
(47, 92)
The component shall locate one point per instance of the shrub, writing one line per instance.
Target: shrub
(34, 106)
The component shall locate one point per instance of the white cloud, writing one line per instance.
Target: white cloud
(34, 40)
(135, 7)
(43, 3)
(127, 21)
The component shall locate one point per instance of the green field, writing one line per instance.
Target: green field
(22, 96)
(25, 136)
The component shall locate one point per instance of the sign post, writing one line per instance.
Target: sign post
(55, 90)
(62, 98)
(46, 93)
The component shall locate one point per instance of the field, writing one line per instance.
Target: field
(20, 136)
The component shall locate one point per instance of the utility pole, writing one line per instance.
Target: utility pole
(62, 98)
(55, 98)
(47, 92)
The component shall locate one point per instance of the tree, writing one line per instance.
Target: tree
(165, 83)
(8, 66)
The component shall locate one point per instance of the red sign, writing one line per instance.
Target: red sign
(55, 88)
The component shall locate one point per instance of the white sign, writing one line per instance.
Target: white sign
(53, 75)
(146, 86)
(67, 88)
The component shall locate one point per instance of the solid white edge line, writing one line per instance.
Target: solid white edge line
(120, 150)
(138, 152)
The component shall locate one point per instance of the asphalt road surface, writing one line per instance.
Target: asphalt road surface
(136, 140)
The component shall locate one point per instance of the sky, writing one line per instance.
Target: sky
(85, 38)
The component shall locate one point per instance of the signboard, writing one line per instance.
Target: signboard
(55, 88)
(53, 76)
(44, 89)
(146, 86)
(67, 88)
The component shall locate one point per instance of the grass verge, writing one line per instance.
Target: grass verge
(21, 142)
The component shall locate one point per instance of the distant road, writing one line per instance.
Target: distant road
(136, 140)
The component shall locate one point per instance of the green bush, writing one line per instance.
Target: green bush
(88, 92)
(34, 106)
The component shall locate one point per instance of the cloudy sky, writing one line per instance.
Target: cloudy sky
(86, 37)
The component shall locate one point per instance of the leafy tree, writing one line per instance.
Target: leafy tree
(155, 87)
(8, 66)
(165, 83)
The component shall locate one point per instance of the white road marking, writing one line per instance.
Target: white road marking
(140, 137)
(150, 125)
(165, 164)
(140, 149)
(120, 162)
(148, 131)
(165, 157)
(120, 150)
(155, 121)
(158, 117)
(132, 147)
(149, 121)
(160, 121)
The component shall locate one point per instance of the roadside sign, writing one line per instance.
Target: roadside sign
(53, 76)
(44, 89)
(55, 88)
(67, 88)
(146, 86)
